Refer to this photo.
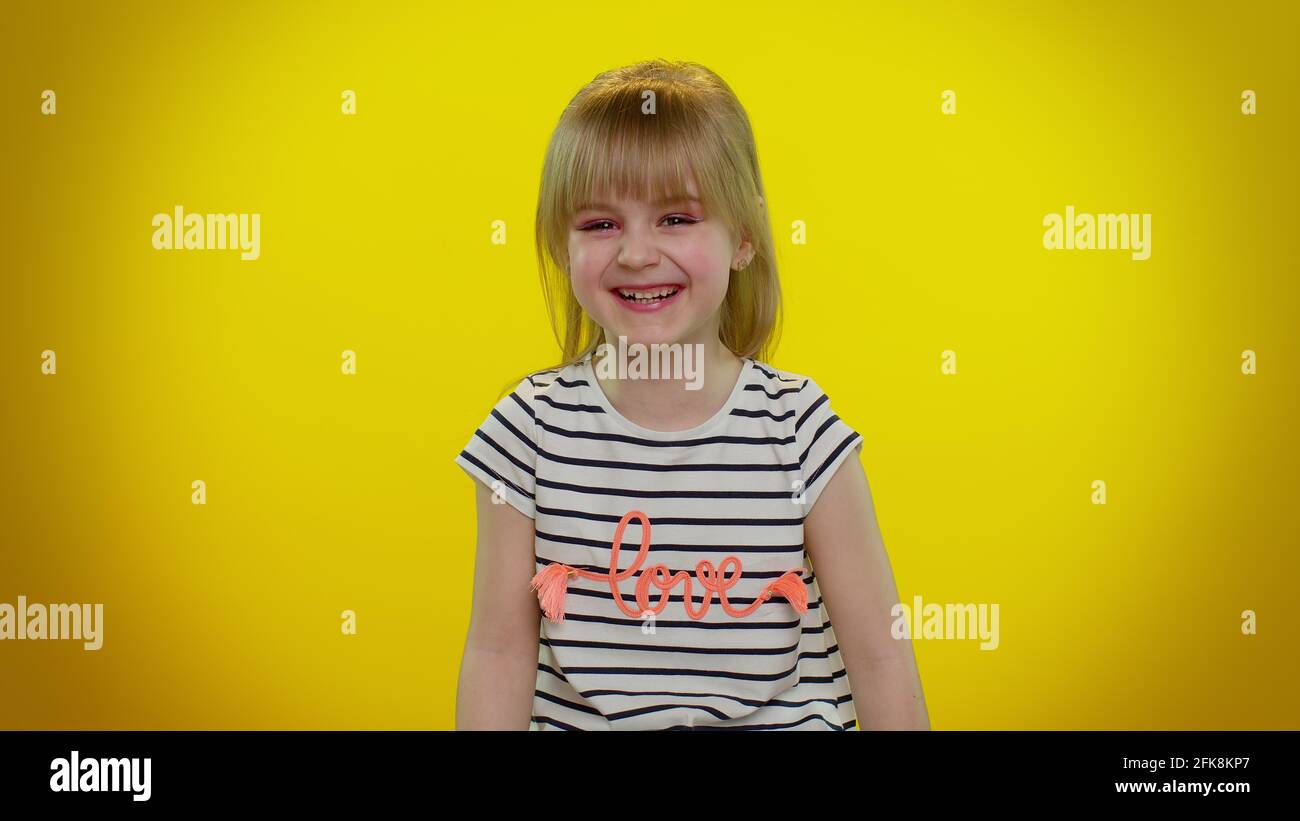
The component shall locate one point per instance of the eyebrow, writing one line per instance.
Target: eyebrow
(670, 200)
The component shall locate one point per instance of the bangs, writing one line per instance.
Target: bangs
(619, 151)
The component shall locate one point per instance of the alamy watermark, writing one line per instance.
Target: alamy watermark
(76, 774)
(946, 621)
(659, 360)
(1100, 232)
(205, 232)
(81, 622)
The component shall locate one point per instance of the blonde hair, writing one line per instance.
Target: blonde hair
(609, 140)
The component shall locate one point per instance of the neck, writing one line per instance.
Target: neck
(673, 401)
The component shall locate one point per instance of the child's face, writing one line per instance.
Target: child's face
(623, 246)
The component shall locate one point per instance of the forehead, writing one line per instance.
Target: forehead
(606, 200)
(670, 195)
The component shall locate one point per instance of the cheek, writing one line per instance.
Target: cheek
(584, 268)
(707, 264)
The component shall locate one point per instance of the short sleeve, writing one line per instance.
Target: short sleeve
(502, 453)
(823, 439)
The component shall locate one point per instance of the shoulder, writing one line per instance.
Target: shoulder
(786, 390)
(822, 441)
(547, 387)
(544, 397)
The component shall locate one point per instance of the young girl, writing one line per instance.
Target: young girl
(659, 534)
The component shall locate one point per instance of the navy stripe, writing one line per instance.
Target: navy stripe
(469, 457)
(776, 395)
(821, 400)
(554, 699)
(640, 711)
(671, 443)
(603, 517)
(659, 547)
(749, 702)
(686, 672)
(694, 624)
(496, 414)
(599, 463)
(803, 457)
(666, 494)
(848, 440)
(499, 449)
(544, 720)
(759, 414)
(643, 647)
(771, 375)
(521, 403)
(564, 406)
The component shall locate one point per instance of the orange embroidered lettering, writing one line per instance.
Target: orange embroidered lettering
(551, 582)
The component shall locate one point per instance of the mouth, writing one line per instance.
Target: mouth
(650, 298)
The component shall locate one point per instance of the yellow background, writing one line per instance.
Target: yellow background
(329, 492)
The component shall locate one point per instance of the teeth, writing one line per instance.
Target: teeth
(646, 296)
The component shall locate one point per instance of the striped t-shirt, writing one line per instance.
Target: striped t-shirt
(737, 485)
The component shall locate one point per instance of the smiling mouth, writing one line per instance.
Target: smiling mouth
(647, 296)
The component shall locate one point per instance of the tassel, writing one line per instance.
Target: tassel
(551, 583)
(791, 586)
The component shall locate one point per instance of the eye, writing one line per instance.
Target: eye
(683, 220)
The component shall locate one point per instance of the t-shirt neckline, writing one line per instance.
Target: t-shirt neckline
(733, 400)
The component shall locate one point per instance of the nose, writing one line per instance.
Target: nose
(637, 250)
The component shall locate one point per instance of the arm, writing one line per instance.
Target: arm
(857, 585)
(498, 672)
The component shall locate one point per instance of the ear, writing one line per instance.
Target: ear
(745, 253)
(742, 256)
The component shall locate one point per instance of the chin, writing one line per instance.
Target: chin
(644, 337)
